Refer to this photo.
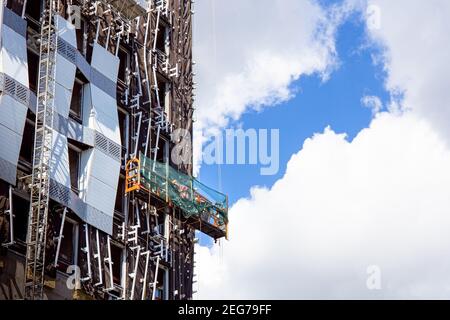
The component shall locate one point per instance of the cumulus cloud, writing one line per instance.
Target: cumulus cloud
(414, 35)
(342, 207)
(248, 56)
(373, 103)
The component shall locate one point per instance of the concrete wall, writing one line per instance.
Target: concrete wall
(12, 277)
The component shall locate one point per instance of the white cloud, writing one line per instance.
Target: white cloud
(372, 102)
(341, 207)
(248, 55)
(415, 36)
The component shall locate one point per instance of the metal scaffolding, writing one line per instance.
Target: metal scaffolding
(162, 205)
(43, 140)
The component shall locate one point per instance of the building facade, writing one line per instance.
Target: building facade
(95, 203)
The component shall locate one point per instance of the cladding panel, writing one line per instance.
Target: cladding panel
(105, 169)
(66, 31)
(14, 99)
(13, 56)
(100, 196)
(13, 114)
(10, 142)
(105, 62)
(62, 100)
(59, 170)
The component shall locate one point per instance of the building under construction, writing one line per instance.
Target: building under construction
(95, 99)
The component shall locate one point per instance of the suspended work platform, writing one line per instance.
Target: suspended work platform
(205, 208)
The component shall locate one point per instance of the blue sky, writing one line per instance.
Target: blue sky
(316, 105)
(351, 213)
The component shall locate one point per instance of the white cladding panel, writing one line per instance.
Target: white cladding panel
(103, 102)
(88, 136)
(88, 112)
(107, 126)
(13, 63)
(66, 31)
(85, 169)
(62, 100)
(100, 196)
(105, 62)
(105, 169)
(12, 114)
(59, 169)
(96, 102)
(65, 72)
(101, 171)
(13, 57)
(9, 144)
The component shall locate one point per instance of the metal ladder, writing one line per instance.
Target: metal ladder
(40, 186)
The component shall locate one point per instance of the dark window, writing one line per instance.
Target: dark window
(124, 64)
(76, 104)
(80, 36)
(120, 195)
(162, 151)
(21, 208)
(162, 94)
(74, 167)
(69, 244)
(26, 150)
(116, 257)
(161, 39)
(161, 224)
(33, 70)
(123, 126)
(161, 285)
(67, 250)
(34, 9)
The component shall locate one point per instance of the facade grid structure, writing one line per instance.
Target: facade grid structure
(90, 91)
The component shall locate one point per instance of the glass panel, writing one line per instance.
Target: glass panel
(74, 167)
(76, 104)
(66, 250)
